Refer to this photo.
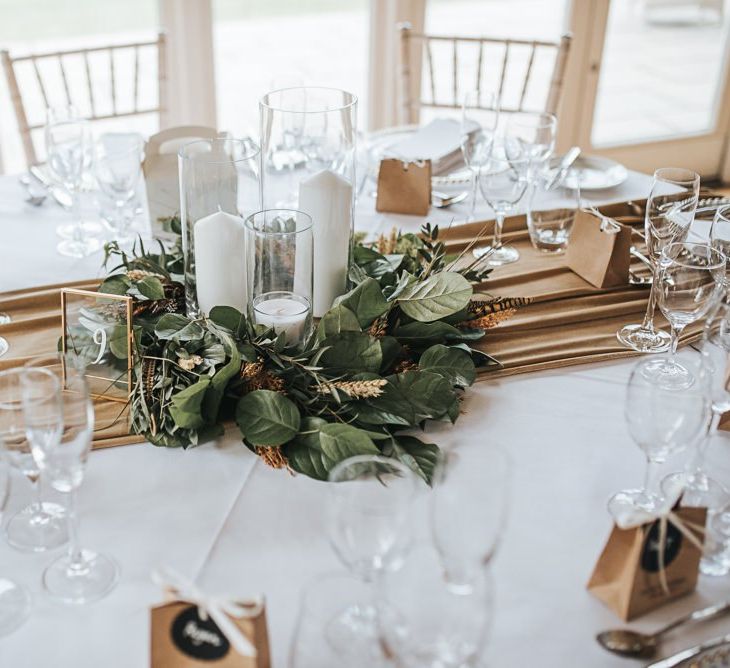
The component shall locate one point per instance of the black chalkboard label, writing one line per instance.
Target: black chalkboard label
(650, 551)
(198, 638)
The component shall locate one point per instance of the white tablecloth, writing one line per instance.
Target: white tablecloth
(218, 514)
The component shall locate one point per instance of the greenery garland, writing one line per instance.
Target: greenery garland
(389, 355)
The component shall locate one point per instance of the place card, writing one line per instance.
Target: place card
(404, 187)
(599, 250)
(636, 574)
(97, 327)
(180, 638)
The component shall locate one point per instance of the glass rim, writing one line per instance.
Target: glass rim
(723, 212)
(250, 223)
(720, 264)
(549, 117)
(264, 100)
(245, 141)
(305, 303)
(663, 174)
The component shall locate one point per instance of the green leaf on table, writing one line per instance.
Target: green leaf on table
(151, 287)
(229, 318)
(453, 364)
(424, 333)
(418, 456)
(391, 350)
(438, 296)
(366, 301)
(119, 342)
(219, 381)
(267, 418)
(118, 284)
(338, 319)
(341, 441)
(429, 394)
(351, 352)
(175, 327)
(304, 452)
(186, 405)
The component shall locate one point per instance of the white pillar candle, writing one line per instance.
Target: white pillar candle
(285, 313)
(327, 198)
(220, 261)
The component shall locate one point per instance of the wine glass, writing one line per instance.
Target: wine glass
(716, 556)
(663, 419)
(669, 213)
(325, 599)
(426, 621)
(531, 136)
(689, 281)
(503, 182)
(369, 528)
(468, 508)
(39, 526)
(59, 421)
(14, 599)
(479, 117)
(118, 170)
(67, 151)
(720, 236)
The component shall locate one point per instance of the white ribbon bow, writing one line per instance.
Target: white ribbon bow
(219, 608)
(633, 518)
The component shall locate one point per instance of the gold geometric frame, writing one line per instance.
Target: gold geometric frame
(130, 339)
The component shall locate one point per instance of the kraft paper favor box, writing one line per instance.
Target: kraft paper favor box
(599, 252)
(181, 639)
(404, 187)
(627, 577)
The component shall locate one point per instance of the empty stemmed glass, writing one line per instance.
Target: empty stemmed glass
(479, 117)
(663, 419)
(669, 213)
(67, 149)
(59, 421)
(531, 136)
(14, 599)
(689, 281)
(39, 526)
(369, 527)
(503, 182)
(118, 170)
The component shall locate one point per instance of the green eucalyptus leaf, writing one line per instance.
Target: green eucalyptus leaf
(391, 352)
(366, 301)
(267, 418)
(351, 352)
(452, 363)
(438, 296)
(429, 394)
(186, 405)
(304, 452)
(220, 380)
(338, 319)
(118, 284)
(229, 318)
(151, 287)
(174, 327)
(341, 441)
(119, 342)
(420, 457)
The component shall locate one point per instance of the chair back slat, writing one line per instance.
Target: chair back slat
(91, 68)
(514, 52)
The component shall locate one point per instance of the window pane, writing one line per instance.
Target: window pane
(662, 70)
(261, 45)
(35, 26)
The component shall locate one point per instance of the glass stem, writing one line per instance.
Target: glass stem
(78, 227)
(676, 333)
(498, 223)
(698, 465)
(474, 183)
(651, 474)
(38, 492)
(75, 553)
(648, 323)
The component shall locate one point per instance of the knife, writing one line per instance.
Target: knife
(689, 653)
(59, 194)
(565, 164)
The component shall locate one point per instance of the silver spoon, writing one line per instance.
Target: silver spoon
(631, 643)
(443, 200)
(36, 196)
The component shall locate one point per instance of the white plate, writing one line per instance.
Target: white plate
(379, 142)
(595, 173)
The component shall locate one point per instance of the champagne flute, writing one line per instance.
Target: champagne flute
(59, 421)
(669, 213)
(663, 419)
(14, 599)
(479, 118)
(39, 526)
(503, 182)
(689, 281)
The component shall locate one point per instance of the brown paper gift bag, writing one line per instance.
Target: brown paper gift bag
(599, 250)
(181, 639)
(404, 187)
(627, 577)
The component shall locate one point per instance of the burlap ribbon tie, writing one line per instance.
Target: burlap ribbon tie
(633, 519)
(220, 609)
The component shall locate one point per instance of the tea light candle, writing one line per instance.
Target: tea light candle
(283, 312)
(327, 198)
(220, 265)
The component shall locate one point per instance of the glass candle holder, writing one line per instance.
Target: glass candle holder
(308, 142)
(279, 247)
(219, 187)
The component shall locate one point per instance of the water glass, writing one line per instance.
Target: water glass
(59, 423)
(39, 526)
(663, 419)
(550, 229)
(531, 136)
(670, 210)
(428, 622)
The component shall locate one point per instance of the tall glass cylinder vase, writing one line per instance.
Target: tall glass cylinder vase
(308, 141)
(279, 267)
(219, 187)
